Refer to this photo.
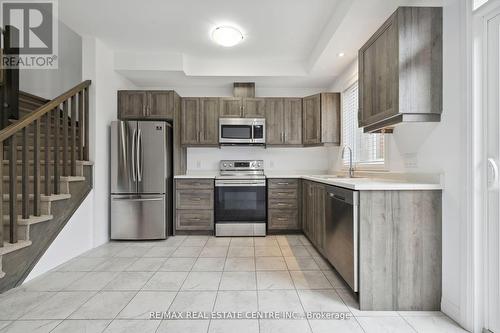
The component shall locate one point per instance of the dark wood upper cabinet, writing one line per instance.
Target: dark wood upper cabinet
(311, 121)
(230, 107)
(132, 104)
(190, 116)
(144, 105)
(199, 123)
(292, 121)
(209, 121)
(283, 121)
(400, 70)
(274, 121)
(321, 119)
(254, 107)
(160, 105)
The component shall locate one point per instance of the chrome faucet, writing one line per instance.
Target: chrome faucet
(351, 169)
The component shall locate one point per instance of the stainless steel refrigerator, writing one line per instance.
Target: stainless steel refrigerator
(141, 179)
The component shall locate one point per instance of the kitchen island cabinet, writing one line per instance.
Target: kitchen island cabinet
(399, 237)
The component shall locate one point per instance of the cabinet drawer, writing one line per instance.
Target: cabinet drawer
(194, 199)
(282, 203)
(283, 219)
(283, 183)
(282, 193)
(194, 220)
(195, 184)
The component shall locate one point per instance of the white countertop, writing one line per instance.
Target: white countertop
(360, 184)
(195, 175)
(374, 184)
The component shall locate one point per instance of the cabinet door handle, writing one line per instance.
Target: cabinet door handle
(283, 183)
(284, 136)
(144, 112)
(195, 219)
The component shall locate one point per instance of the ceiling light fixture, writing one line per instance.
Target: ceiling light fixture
(341, 54)
(227, 36)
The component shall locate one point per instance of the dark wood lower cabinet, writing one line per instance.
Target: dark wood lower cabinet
(313, 213)
(283, 205)
(194, 203)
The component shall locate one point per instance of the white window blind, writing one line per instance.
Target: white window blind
(368, 149)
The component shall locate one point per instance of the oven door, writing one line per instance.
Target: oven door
(240, 201)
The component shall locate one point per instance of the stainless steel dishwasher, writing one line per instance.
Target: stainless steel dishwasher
(342, 232)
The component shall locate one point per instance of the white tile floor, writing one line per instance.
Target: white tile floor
(115, 287)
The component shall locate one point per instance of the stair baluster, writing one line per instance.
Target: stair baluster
(86, 123)
(1, 194)
(57, 125)
(80, 125)
(47, 153)
(13, 190)
(65, 139)
(25, 205)
(73, 135)
(36, 169)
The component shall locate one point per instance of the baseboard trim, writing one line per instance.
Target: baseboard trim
(450, 309)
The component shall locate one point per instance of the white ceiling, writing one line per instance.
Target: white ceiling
(287, 42)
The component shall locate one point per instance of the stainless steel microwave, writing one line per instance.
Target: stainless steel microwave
(242, 131)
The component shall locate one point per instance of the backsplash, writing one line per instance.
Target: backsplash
(275, 159)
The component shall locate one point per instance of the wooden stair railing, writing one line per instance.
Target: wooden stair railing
(76, 99)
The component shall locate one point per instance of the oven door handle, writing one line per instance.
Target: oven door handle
(240, 184)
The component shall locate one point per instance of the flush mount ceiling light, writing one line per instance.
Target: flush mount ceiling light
(227, 36)
(341, 54)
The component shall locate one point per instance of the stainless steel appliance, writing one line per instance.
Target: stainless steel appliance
(242, 131)
(240, 199)
(141, 179)
(342, 232)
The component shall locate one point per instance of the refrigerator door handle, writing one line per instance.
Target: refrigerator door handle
(133, 152)
(139, 199)
(139, 155)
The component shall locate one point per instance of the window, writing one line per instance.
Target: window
(368, 149)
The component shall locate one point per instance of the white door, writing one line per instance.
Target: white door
(493, 155)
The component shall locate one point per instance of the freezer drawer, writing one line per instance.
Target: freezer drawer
(138, 217)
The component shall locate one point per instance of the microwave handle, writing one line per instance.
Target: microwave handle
(253, 132)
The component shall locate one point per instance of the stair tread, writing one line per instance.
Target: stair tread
(50, 198)
(31, 220)
(8, 247)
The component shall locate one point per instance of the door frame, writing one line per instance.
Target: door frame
(475, 311)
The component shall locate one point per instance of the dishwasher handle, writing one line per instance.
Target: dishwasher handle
(344, 195)
(337, 197)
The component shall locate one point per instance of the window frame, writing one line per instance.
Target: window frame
(360, 166)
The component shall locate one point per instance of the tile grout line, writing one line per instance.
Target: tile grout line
(136, 293)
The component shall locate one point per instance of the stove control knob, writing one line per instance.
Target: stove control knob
(224, 165)
(259, 165)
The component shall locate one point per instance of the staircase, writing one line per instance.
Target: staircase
(46, 174)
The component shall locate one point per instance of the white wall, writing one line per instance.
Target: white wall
(98, 66)
(439, 148)
(89, 226)
(73, 240)
(313, 159)
(50, 83)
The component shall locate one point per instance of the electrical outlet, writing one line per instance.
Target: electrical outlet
(198, 164)
(271, 164)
